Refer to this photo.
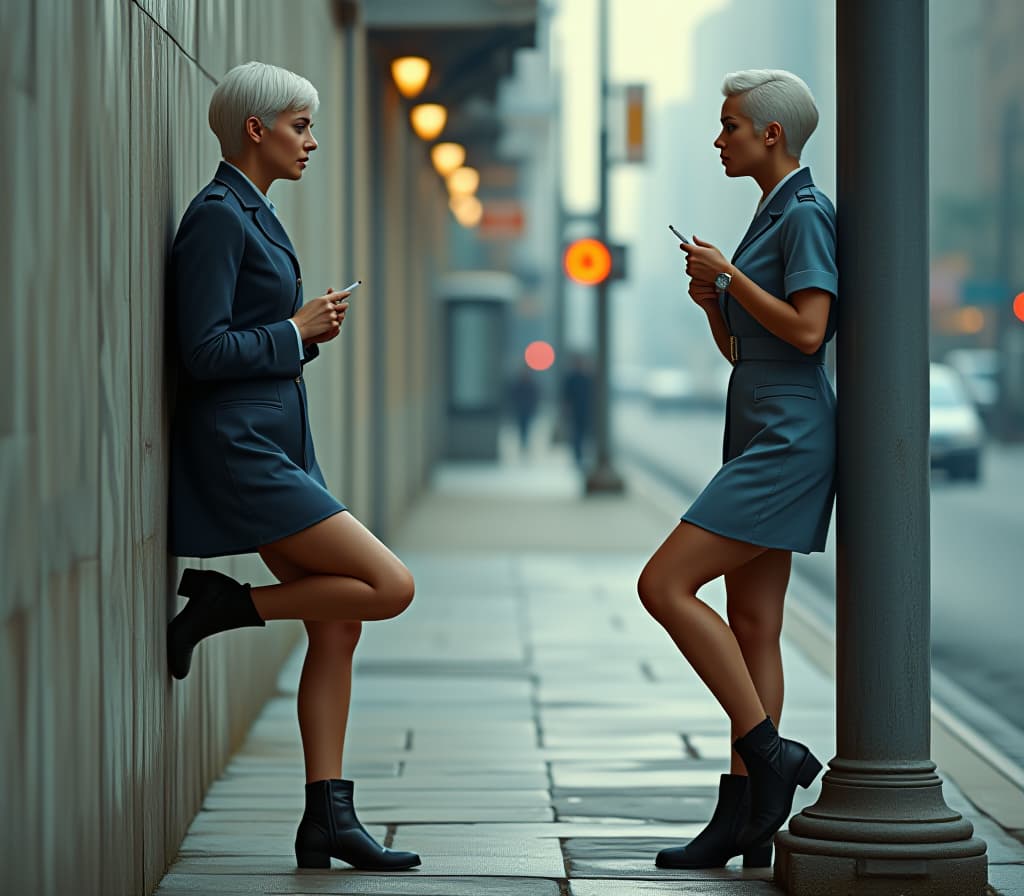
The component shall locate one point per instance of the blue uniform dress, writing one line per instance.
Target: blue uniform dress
(243, 469)
(776, 486)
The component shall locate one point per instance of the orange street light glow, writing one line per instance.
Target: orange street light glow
(588, 261)
(539, 355)
(1018, 306)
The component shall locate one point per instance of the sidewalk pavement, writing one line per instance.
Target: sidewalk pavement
(525, 726)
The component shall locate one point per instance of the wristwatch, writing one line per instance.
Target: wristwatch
(722, 281)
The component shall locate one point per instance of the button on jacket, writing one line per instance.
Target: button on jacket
(243, 467)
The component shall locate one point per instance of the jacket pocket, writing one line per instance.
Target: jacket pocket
(784, 390)
(255, 393)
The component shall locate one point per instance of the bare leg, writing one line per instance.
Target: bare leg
(690, 558)
(350, 575)
(325, 687)
(757, 592)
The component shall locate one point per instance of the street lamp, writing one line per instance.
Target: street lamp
(447, 157)
(468, 210)
(410, 74)
(428, 120)
(463, 181)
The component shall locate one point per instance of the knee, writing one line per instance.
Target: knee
(338, 637)
(652, 592)
(395, 593)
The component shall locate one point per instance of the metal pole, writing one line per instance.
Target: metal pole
(603, 477)
(1008, 413)
(881, 824)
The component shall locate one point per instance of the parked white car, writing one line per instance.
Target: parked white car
(956, 435)
(980, 369)
(669, 387)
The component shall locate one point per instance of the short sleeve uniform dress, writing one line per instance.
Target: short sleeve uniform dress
(243, 471)
(776, 485)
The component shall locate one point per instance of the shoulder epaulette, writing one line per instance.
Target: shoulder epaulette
(217, 191)
(806, 194)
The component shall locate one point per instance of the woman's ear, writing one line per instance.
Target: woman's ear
(772, 133)
(254, 129)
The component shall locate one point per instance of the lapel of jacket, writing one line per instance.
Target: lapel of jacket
(773, 211)
(265, 219)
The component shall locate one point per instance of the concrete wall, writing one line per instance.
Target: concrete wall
(103, 761)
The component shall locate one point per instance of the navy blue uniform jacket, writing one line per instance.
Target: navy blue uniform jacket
(243, 468)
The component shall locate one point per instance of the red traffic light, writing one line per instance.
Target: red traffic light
(588, 261)
(1018, 306)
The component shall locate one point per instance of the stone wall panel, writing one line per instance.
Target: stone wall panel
(105, 760)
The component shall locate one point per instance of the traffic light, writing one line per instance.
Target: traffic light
(588, 261)
(1018, 307)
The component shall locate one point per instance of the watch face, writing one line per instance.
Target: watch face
(722, 281)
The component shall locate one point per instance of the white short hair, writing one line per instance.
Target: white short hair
(255, 88)
(775, 95)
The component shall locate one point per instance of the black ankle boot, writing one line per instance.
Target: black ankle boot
(329, 827)
(217, 603)
(719, 841)
(776, 767)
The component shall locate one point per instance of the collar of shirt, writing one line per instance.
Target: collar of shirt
(763, 204)
(259, 192)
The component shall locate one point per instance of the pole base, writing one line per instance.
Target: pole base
(880, 828)
(801, 870)
(604, 480)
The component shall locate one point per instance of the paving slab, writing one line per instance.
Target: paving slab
(730, 886)
(474, 854)
(633, 859)
(1007, 880)
(308, 883)
(568, 775)
(559, 830)
(613, 804)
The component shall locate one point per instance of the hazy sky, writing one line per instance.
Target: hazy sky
(650, 42)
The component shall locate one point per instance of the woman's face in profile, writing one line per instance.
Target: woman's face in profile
(286, 147)
(742, 151)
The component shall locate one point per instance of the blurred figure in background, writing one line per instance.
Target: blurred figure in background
(524, 396)
(577, 389)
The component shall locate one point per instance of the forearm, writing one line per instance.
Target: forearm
(224, 354)
(777, 316)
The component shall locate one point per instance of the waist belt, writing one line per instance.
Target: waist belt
(761, 348)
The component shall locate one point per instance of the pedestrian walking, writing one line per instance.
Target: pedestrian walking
(771, 310)
(577, 398)
(244, 476)
(524, 396)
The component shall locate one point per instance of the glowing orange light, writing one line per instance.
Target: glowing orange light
(1018, 306)
(588, 261)
(971, 319)
(539, 355)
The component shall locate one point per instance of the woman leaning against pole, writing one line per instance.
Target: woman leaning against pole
(244, 475)
(771, 311)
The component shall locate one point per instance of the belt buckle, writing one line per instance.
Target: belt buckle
(734, 349)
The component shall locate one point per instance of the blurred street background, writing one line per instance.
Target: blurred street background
(467, 378)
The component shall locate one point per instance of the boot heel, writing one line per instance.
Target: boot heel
(307, 859)
(809, 769)
(191, 580)
(758, 856)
